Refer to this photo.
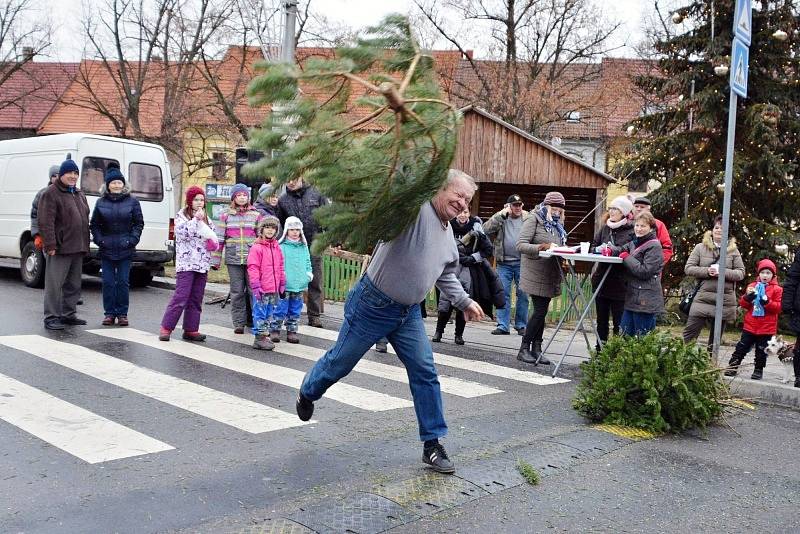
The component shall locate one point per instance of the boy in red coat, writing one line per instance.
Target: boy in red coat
(763, 304)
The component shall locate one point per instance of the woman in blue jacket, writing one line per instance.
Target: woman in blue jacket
(116, 226)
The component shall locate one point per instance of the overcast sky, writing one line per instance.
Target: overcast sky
(68, 38)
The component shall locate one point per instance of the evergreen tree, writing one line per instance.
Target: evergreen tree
(377, 167)
(689, 163)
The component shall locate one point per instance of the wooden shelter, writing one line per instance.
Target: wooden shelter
(505, 160)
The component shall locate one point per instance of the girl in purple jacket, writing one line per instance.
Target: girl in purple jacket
(194, 242)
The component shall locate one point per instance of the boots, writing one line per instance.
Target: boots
(538, 354)
(275, 336)
(437, 336)
(758, 374)
(164, 334)
(525, 355)
(441, 324)
(291, 337)
(733, 365)
(459, 340)
(262, 342)
(797, 382)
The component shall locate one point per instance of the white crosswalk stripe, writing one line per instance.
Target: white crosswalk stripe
(79, 432)
(451, 385)
(228, 409)
(459, 363)
(345, 393)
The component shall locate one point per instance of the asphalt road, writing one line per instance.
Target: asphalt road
(170, 437)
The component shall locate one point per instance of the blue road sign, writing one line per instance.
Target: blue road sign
(739, 67)
(743, 21)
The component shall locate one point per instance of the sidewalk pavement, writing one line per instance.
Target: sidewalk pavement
(478, 335)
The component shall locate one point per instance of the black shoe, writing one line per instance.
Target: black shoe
(525, 355)
(520, 331)
(436, 457)
(53, 324)
(382, 347)
(80, 302)
(733, 366)
(797, 382)
(499, 332)
(73, 321)
(437, 337)
(304, 407)
(758, 374)
(459, 340)
(538, 354)
(730, 372)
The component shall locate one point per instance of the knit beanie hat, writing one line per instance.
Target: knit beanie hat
(112, 174)
(623, 204)
(293, 223)
(554, 198)
(191, 193)
(67, 166)
(265, 191)
(53, 171)
(240, 189)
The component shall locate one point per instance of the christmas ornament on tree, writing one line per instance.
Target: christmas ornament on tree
(378, 166)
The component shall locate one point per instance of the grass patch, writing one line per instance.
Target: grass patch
(528, 472)
(215, 277)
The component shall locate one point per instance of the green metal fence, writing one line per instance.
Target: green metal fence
(340, 274)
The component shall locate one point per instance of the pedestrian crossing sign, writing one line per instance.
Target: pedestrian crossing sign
(739, 67)
(743, 21)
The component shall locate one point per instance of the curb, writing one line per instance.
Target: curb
(765, 392)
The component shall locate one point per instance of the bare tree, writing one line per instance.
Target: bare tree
(143, 78)
(539, 52)
(22, 37)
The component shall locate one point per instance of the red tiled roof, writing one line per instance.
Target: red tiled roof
(31, 92)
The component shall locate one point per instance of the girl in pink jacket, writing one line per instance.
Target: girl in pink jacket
(267, 280)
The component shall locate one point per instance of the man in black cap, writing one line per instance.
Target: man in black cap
(63, 218)
(642, 204)
(503, 227)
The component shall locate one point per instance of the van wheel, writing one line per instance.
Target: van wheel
(140, 277)
(31, 266)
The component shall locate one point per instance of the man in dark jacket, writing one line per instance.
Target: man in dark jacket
(790, 305)
(300, 200)
(35, 207)
(63, 217)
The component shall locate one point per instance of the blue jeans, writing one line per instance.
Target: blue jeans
(509, 272)
(116, 286)
(289, 311)
(264, 314)
(637, 323)
(370, 315)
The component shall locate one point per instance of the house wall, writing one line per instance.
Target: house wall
(591, 151)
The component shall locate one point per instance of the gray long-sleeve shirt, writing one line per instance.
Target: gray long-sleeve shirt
(425, 253)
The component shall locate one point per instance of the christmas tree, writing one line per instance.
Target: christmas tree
(377, 166)
(682, 141)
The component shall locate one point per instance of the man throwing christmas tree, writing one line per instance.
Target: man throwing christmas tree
(385, 303)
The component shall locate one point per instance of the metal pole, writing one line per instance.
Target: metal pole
(289, 21)
(726, 215)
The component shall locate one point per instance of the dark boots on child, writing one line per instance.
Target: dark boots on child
(262, 342)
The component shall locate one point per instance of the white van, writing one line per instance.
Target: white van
(24, 165)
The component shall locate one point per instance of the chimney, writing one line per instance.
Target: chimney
(27, 53)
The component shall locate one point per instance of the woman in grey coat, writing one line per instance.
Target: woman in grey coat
(703, 266)
(540, 277)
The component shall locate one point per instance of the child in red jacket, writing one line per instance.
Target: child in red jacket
(763, 304)
(267, 280)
